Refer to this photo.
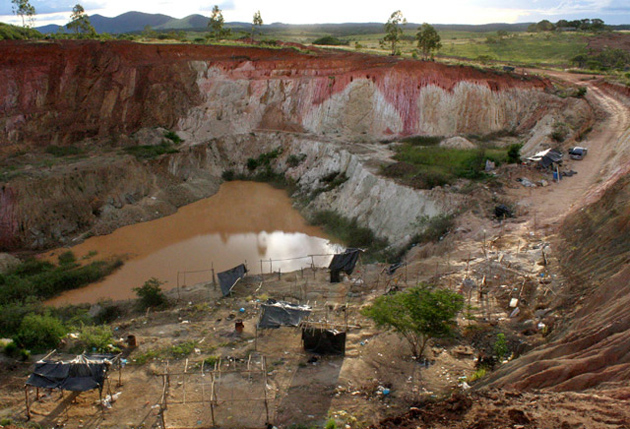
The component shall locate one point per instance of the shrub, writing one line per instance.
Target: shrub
(39, 333)
(172, 136)
(514, 153)
(150, 294)
(435, 228)
(182, 349)
(60, 151)
(500, 347)
(295, 160)
(560, 132)
(348, 231)
(67, 260)
(144, 152)
(228, 175)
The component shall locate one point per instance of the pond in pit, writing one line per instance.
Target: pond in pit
(245, 222)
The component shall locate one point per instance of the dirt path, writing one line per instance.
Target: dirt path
(609, 148)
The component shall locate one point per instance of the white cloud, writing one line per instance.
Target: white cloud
(337, 11)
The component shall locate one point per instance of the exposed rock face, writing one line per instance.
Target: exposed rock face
(215, 97)
(64, 92)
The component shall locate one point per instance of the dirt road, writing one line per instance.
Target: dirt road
(608, 157)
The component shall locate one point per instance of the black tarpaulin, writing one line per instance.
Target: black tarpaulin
(280, 313)
(228, 278)
(78, 375)
(324, 341)
(552, 156)
(345, 262)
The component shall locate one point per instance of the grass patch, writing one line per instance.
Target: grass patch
(144, 152)
(426, 167)
(423, 140)
(349, 231)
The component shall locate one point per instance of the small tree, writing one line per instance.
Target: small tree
(393, 30)
(80, 21)
(417, 314)
(257, 21)
(215, 24)
(150, 294)
(24, 10)
(500, 347)
(428, 40)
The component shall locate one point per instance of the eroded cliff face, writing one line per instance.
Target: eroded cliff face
(230, 104)
(55, 93)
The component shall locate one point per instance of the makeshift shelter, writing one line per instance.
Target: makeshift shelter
(551, 157)
(279, 313)
(324, 341)
(546, 158)
(227, 279)
(84, 372)
(345, 262)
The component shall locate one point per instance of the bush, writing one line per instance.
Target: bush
(228, 175)
(60, 151)
(348, 231)
(96, 338)
(67, 260)
(295, 160)
(150, 294)
(500, 347)
(435, 228)
(514, 153)
(172, 136)
(330, 40)
(39, 333)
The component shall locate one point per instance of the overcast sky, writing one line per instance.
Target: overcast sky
(339, 11)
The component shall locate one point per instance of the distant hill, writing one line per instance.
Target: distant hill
(133, 22)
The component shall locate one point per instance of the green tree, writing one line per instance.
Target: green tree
(39, 333)
(417, 314)
(24, 10)
(215, 24)
(149, 32)
(428, 40)
(151, 294)
(256, 22)
(80, 22)
(393, 30)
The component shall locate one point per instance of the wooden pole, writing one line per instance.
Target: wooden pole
(265, 387)
(28, 406)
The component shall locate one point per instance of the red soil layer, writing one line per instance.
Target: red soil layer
(61, 92)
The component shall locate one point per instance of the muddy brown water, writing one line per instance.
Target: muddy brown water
(245, 222)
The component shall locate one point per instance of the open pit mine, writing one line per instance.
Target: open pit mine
(331, 116)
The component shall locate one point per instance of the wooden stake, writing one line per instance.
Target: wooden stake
(28, 406)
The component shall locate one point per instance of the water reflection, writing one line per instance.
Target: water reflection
(244, 222)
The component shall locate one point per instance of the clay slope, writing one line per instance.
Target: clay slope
(594, 349)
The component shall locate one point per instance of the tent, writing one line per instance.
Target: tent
(345, 262)
(84, 372)
(551, 157)
(324, 341)
(227, 279)
(280, 313)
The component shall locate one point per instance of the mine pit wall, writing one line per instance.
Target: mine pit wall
(405, 98)
(215, 97)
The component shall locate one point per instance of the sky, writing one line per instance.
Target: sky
(340, 11)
